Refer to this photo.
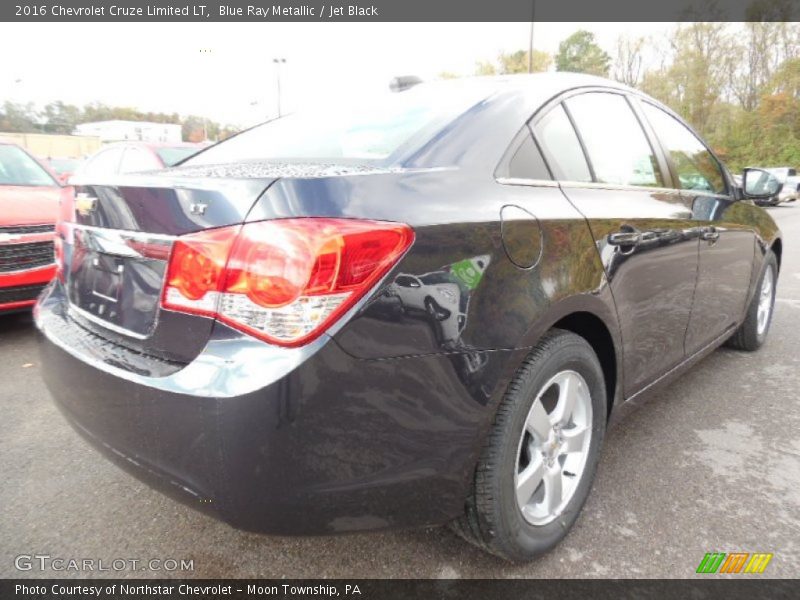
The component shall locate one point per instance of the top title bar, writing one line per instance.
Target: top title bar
(400, 10)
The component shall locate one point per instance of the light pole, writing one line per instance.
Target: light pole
(17, 83)
(278, 62)
(530, 42)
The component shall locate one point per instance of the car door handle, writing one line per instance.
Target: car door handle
(625, 238)
(710, 234)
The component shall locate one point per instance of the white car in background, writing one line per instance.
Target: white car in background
(791, 189)
(791, 185)
(442, 295)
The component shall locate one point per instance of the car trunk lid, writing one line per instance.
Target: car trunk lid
(116, 247)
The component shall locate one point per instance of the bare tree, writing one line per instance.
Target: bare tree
(694, 81)
(628, 65)
(759, 51)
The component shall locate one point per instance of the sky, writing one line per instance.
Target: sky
(225, 71)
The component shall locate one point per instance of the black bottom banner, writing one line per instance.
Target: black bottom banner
(428, 589)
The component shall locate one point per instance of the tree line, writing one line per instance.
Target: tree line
(738, 85)
(60, 118)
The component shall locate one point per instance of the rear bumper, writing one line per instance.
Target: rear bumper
(305, 443)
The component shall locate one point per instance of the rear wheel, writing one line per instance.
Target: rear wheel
(540, 457)
(752, 333)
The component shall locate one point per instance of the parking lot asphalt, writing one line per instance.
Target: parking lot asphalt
(711, 463)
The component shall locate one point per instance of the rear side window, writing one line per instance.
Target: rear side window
(171, 156)
(560, 143)
(105, 162)
(695, 166)
(136, 159)
(614, 139)
(527, 162)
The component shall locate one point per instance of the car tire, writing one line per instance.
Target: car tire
(497, 519)
(752, 333)
(436, 312)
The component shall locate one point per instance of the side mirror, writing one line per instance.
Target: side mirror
(760, 184)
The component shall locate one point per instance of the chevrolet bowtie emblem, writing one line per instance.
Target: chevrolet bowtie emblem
(85, 204)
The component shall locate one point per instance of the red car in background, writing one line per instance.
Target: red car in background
(63, 167)
(29, 201)
(130, 157)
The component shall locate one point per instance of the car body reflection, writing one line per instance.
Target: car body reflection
(440, 297)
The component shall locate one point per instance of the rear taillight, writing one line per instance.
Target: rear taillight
(284, 281)
(196, 272)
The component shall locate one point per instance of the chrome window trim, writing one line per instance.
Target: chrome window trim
(527, 182)
(596, 185)
(630, 94)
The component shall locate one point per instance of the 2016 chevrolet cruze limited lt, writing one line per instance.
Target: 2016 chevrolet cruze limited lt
(424, 309)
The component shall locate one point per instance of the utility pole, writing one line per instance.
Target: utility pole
(530, 41)
(278, 62)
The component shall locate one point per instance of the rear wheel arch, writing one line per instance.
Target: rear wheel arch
(594, 330)
(580, 315)
(594, 319)
(493, 518)
(777, 249)
(591, 327)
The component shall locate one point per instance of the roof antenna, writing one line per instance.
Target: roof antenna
(404, 82)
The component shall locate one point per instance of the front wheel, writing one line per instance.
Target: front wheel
(752, 333)
(540, 457)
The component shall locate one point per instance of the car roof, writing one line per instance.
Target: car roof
(482, 134)
(536, 86)
(565, 79)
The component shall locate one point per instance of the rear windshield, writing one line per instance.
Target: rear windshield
(368, 131)
(172, 156)
(17, 168)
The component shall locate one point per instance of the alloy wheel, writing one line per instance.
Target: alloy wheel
(553, 448)
(765, 301)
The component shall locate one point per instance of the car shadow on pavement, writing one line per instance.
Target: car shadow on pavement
(19, 322)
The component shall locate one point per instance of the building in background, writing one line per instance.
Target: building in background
(120, 131)
(45, 145)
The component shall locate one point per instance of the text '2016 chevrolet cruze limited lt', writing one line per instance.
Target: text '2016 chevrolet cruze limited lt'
(419, 310)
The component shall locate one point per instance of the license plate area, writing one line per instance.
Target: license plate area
(115, 278)
(107, 280)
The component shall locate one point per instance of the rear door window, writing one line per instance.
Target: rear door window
(614, 140)
(560, 144)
